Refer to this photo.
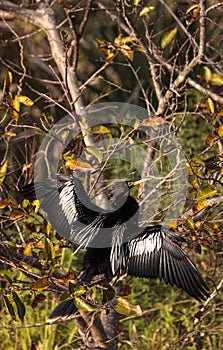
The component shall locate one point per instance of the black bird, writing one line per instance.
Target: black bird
(151, 252)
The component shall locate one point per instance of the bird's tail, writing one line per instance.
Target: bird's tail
(63, 311)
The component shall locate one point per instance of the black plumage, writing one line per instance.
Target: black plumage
(115, 244)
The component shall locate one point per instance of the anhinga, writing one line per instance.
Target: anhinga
(150, 252)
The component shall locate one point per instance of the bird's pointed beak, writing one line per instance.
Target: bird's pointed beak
(139, 182)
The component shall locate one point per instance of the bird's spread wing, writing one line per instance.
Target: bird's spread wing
(49, 194)
(155, 253)
(117, 255)
(67, 202)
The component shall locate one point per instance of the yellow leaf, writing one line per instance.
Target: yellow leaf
(146, 10)
(24, 100)
(9, 134)
(211, 139)
(189, 169)
(120, 40)
(15, 109)
(216, 79)
(74, 164)
(40, 284)
(200, 205)
(7, 82)
(16, 214)
(220, 130)
(26, 166)
(126, 50)
(220, 113)
(210, 105)
(36, 205)
(100, 129)
(3, 171)
(192, 13)
(167, 36)
(7, 202)
(27, 250)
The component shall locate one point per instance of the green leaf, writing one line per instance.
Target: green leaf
(19, 305)
(167, 36)
(207, 73)
(40, 284)
(79, 290)
(206, 192)
(95, 152)
(9, 307)
(122, 306)
(108, 293)
(216, 79)
(83, 305)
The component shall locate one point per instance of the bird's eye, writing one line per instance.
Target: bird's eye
(130, 184)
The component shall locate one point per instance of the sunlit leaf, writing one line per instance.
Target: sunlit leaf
(49, 249)
(122, 306)
(9, 307)
(83, 305)
(40, 284)
(220, 130)
(200, 205)
(167, 36)
(189, 169)
(79, 290)
(122, 40)
(206, 192)
(127, 51)
(15, 109)
(9, 133)
(210, 105)
(36, 205)
(207, 73)
(28, 249)
(95, 152)
(190, 223)
(16, 214)
(220, 113)
(8, 202)
(47, 119)
(216, 79)
(24, 100)
(100, 129)
(26, 167)
(7, 82)
(211, 138)
(192, 13)
(136, 2)
(75, 164)
(70, 276)
(146, 10)
(3, 171)
(19, 305)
